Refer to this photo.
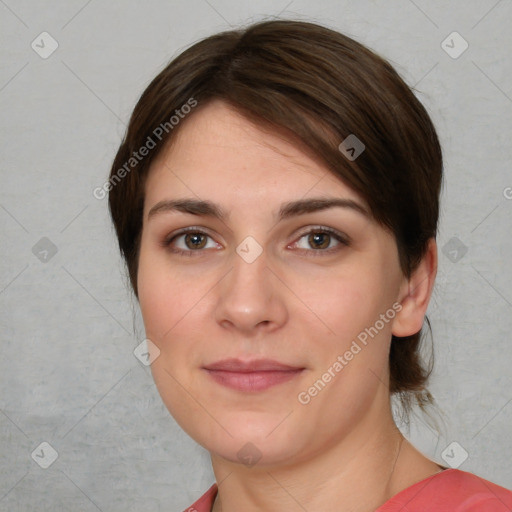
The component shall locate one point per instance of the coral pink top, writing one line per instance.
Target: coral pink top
(450, 490)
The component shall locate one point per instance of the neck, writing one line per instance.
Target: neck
(360, 472)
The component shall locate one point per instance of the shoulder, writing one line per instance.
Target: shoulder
(205, 502)
(451, 490)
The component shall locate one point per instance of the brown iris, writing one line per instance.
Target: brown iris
(195, 240)
(319, 240)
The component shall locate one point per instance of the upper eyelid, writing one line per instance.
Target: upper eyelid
(188, 229)
(319, 227)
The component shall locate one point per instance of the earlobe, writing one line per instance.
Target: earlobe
(415, 294)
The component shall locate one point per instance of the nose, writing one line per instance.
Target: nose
(250, 299)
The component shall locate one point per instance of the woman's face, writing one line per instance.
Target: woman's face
(273, 312)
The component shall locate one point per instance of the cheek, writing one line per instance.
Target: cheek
(155, 301)
(174, 304)
(349, 303)
(345, 302)
(164, 295)
(351, 362)
(166, 303)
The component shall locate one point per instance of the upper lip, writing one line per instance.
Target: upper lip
(256, 365)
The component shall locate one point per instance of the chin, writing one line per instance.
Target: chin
(250, 438)
(261, 452)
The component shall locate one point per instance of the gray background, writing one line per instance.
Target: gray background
(68, 324)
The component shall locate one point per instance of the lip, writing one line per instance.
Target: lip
(256, 375)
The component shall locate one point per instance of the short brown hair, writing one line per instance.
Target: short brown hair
(321, 86)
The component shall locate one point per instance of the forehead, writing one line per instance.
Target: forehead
(220, 155)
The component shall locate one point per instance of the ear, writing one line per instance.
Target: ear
(414, 294)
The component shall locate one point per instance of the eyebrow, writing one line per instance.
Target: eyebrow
(287, 210)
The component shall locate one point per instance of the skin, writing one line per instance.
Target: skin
(295, 303)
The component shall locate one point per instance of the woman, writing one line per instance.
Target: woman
(276, 201)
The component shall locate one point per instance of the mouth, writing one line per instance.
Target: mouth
(257, 375)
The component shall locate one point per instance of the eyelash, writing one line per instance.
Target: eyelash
(339, 237)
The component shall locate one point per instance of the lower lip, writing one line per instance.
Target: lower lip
(252, 381)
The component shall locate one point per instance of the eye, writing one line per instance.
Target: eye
(189, 240)
(320, 240)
